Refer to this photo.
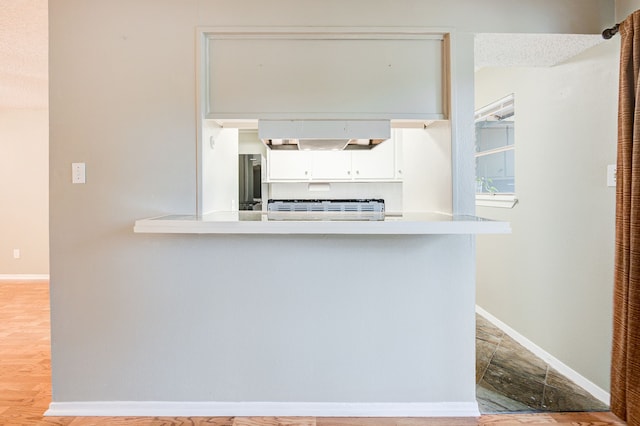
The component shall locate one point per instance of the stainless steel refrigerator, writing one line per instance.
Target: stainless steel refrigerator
(250, 182)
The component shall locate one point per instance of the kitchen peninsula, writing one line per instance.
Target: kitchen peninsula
(391, 291)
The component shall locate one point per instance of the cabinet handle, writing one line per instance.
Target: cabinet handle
(348, 172)
(357, 172)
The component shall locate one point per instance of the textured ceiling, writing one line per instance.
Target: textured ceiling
(530, 50)
(23, 54)
(24, 46)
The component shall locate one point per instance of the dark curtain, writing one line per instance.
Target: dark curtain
(625, 366)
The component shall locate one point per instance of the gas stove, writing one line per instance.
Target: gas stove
(318, 209)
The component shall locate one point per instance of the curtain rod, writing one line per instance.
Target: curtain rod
(610, 32)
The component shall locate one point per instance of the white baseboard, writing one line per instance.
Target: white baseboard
(24, 277)
(233, 409)
(554, 362)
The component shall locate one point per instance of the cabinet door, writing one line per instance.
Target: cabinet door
(404, 73)
(289, 165)
(397, 141)
(331, 165)
(377, 163)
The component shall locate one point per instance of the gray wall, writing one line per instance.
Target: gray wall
(624, 8)
(153, 317)
(551, 280)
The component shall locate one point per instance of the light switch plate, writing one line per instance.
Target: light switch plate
(612, 169)
(78, 174)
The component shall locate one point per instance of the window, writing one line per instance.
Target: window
(495, 149)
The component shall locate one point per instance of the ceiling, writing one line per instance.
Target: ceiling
(24, 46)
(23, 54)
(530, 50)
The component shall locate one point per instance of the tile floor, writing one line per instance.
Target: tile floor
(509, 378)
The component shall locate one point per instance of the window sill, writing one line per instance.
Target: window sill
(505, 201)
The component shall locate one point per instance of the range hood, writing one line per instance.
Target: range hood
(325, 135)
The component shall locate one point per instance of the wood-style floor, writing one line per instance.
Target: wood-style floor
(25, 382)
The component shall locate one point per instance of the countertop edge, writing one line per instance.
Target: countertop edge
(445, 225)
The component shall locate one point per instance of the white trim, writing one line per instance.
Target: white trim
(490, 110)
(320, 32)
(232, 409)
(24, 277)
(507, 201)
(496, 150)
(554, 362)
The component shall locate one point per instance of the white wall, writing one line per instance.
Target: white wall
(551, 279)
(186, 318)
(24, 139)
(426, 168)
(24, 192)
(219, 156)
(249, 143)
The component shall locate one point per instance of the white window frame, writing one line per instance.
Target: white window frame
(496, 110)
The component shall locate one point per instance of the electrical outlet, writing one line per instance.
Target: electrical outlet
(612, 170)
(16, 253)
(78, 174)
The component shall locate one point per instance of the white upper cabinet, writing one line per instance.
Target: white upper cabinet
(323, 73)
(376, 163)
(331, 165)
(291, 165)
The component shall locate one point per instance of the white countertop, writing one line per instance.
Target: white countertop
(250, 222)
